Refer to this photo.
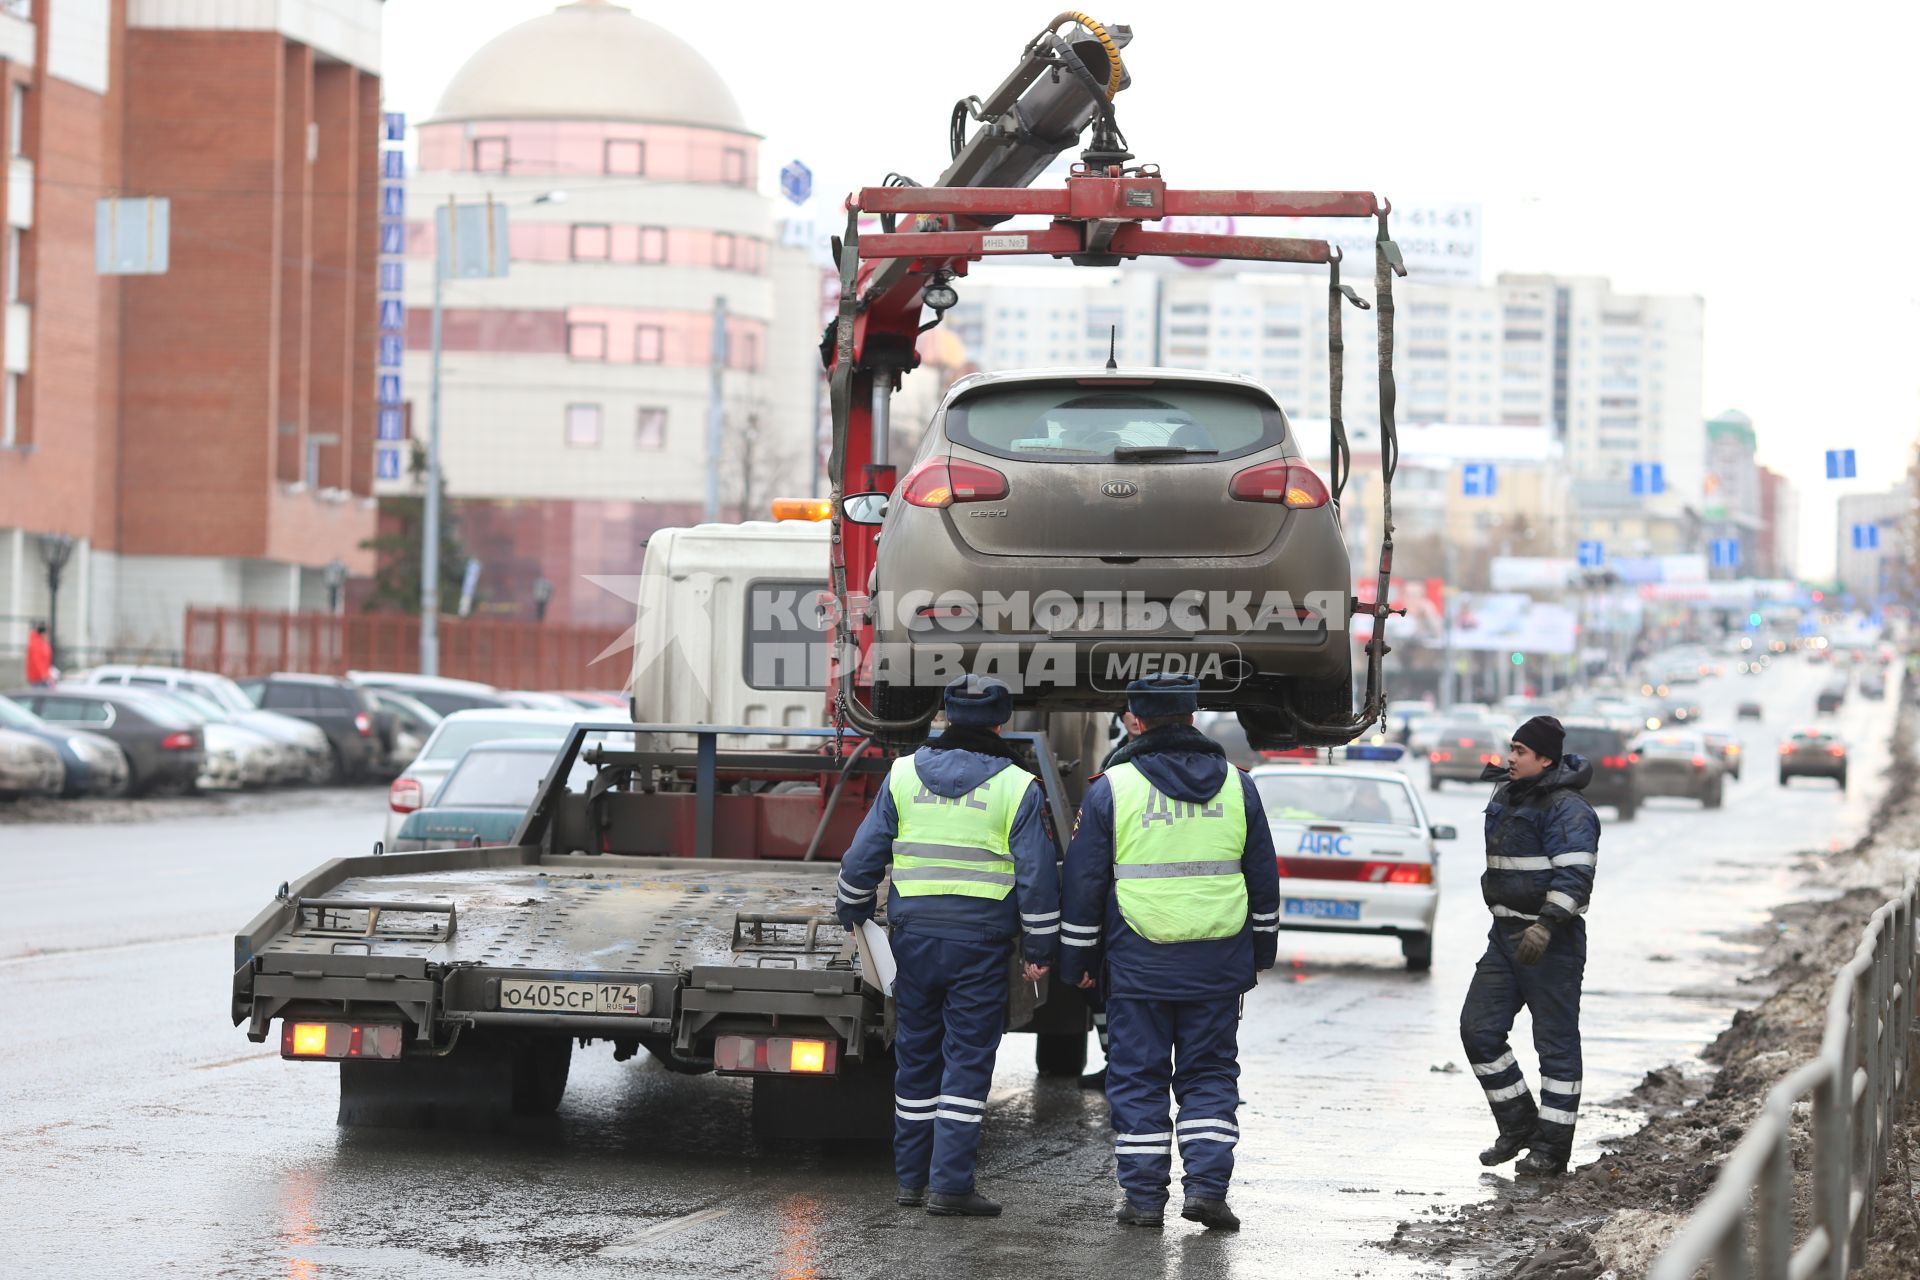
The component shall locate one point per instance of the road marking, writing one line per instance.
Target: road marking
(58, 953)
(671, 1226)
(235, 1062)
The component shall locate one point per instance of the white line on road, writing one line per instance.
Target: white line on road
(59, 953)
(670, 1227)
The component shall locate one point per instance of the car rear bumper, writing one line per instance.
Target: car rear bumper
(1690, 785)
(1391, 909)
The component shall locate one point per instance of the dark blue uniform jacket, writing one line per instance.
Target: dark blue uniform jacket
(1543, 845)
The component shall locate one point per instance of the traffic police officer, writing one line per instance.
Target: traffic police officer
(1543, 842)
(973, 868)
(1171, 882)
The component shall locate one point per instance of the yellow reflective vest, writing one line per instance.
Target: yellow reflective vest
(1176, 863)
(954, 844)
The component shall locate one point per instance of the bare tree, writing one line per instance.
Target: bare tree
(755, 463)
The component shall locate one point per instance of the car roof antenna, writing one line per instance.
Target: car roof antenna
(1113, 345)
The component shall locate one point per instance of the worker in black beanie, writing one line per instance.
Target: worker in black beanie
(1543, 842)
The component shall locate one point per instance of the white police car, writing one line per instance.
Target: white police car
(1356, 853)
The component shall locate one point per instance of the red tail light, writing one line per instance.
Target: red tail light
(1487, 757)
(1633, 757)
(1403, 873)
(938, 482)
(1351, 870)
(1699, 762)
(405, 795)
(363, 724)
(1463, 742)
(1613, 762)
(1836, 750)
(1441, 756)
(1289, 482)
(182, 741)
(1786, 748)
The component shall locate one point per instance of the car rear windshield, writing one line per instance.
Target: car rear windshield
(1323, 798)
(1069, 422)
(454, 737)
(1595, 742)
(496, 778)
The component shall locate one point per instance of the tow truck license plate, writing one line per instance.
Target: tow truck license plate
(527, 995)
(1323, 908)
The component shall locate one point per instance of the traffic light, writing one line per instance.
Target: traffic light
(1518, 658)
(1753, 619)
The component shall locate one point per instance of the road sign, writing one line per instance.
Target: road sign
(1726, 553)
(392, 424)
(393, 314)
(391, 350)
(1592, 555)
(1866, 537)
(394, 125)
(1478, 480)
(1649, 478)
(796, 181)
(1840, 464)
(386, 464)
(389, 389)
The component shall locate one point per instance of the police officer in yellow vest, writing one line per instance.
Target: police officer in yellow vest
(1171, 881)
(973, 869)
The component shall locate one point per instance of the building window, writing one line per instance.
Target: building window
(649, 344)
(17, 120)
(650, 429)
(587, 341)
(733, 167)
(592, 242)
(723, 250)
(746, 351)
(489, 155)
(653, 244)
(625, 156)
(583, 426)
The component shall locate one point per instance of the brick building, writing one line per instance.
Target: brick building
(203, 435)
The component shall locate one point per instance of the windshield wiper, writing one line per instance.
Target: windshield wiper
(1127, 452)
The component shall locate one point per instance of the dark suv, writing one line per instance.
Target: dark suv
(336, 706)
(1606, 749)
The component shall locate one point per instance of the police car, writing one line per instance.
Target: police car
(1356, 852)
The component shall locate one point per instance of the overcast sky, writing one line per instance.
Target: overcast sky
(1762, 161)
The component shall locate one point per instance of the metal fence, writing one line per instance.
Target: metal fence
(1858, 1084)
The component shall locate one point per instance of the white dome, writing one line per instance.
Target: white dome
(590, 60)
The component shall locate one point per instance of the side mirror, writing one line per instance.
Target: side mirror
(864, 508)
(1443, 833)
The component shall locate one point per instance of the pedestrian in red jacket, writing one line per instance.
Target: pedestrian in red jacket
(39, 656)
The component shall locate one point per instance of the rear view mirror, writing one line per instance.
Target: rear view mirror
(1443, 833)
(864, 508)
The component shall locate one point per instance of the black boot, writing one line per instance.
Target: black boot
(1095, 1080)
(1211, 1214)
(1509, 1144)
(1543, 1162)
(1130, 1214)
(910, 1197)
(970, 1205)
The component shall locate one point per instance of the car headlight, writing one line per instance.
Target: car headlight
(92, 754)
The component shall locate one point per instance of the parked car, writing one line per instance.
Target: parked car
(1814, 753)
(338, 708)
(1751, 711)
(29, 766)
(303, 744)
(1679, 763)
(1155, 482)
(1873, 685)
(1462, 750)
(236, 755)
(1402, 713)
(1728, 748)
(484, 797)
(442, 694)
(538, 700)
(452, 738)
(413, 723)
(1608, 748)
(1356, 853)
(1831, 698)
(594, 700)
(94, 765)
(165, 745)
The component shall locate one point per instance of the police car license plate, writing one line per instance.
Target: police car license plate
(1322, 908)
(527, 995)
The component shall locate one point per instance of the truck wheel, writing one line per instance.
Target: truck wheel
(471, 1087)
(1061, 1053)
(1417, 948)
(855, 1107)
(540, 1074)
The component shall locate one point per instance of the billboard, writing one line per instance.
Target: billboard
(1438, 241)
(1510, 622)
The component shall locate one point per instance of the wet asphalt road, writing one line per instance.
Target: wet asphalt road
(144, 1135)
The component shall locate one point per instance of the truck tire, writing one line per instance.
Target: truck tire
(540, 1068)
(471, 1087)
(1061, 1053)
(1417, 949)
(856, 1107)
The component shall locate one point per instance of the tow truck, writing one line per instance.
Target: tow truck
(679, 900)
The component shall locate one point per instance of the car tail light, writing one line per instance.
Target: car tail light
(1786, 748)
(1408, 873)
(1488, 757)
(1836, 750)
(363, 724)
(938, 482)
(405, 795)
(1441, 756)
(775, 1055)
(182, 741)
(337, 1040)
(1613, 762)
(1348, 869)
(1289, 482)
(1699, 762)
(1463, 742)
(1633, 757)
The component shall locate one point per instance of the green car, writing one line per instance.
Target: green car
(483, 799)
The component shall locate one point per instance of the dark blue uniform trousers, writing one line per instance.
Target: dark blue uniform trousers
(1550, 991)
(1188, 1047)
(949, 1007)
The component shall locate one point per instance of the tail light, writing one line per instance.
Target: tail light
(1633, 757)
(938, 482)
(1699, 762)
(182, 741)
(1349, 870)
(363, 724)
(1613, 762)
(405, 795)
(1406, 873)
(1786, 748)
(1836, 750)
(1463, 742)
(1441, 756)
(1289, 482)
(775, 1055)
(1488, 757)
(338, 1040)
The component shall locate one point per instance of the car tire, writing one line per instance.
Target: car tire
(1843, 780)
(337, 770)
(1433, 783)
(1060, 1053)
(1714, 796)
(1627, 810)
(1417, 950)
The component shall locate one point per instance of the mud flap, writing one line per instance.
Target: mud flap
(857, 1106)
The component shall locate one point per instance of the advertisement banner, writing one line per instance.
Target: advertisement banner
(1507, 622)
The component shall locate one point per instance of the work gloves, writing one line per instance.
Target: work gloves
(1533, 943)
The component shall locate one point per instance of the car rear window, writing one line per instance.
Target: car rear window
(1322, 798)
(1595, 742)
(453, 738)
(508, 778)
(1068, 422)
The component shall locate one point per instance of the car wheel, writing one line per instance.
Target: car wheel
(1626, 810)
(1433, 783)
(337, 772)
(1843, 780)
(1417, 948)
(1713, 797)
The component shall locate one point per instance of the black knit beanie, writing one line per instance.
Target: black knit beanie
(1543, 736)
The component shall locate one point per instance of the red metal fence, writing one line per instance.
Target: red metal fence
(509, 653)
